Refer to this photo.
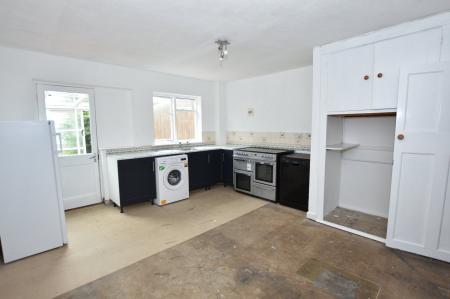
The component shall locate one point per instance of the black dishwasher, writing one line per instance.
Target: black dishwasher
(294, 181)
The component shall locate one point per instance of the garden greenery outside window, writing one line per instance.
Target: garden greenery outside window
(176, 118)
(71, 115)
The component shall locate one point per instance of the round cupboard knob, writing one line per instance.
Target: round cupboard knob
(366, 77)
(380, 75)
(400, 136)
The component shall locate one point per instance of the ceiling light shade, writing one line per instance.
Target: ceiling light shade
(223, 48)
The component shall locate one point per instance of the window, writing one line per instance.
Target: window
(176, 118)
(71, 114)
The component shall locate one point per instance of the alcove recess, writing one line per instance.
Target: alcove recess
(359, 158)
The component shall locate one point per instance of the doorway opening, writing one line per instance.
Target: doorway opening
(72, 111)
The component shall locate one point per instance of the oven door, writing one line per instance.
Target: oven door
(265, 172)
(242, 181)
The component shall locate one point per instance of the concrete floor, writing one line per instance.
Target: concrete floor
(370, 224)
(273, 252)
(101, 240)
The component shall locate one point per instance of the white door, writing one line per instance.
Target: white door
(73, 111)
(419, 214)
(390, 55)
(349, 79)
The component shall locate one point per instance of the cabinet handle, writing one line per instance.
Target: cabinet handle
(366, 77)
(153, 165)
(208, 159)
(400, 136)
(380, 75)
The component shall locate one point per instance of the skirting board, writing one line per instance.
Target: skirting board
(351, 230)
(78, 201)
(311, 216)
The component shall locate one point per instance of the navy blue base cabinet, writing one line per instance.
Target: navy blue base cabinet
(205, 169)
(227, 167)
(198, 165)
(137, 182)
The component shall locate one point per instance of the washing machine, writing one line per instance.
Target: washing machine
(172, 179)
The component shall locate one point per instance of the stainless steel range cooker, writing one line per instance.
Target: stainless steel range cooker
(255, 171)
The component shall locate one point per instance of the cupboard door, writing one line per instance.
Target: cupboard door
(214, 167)
(227, 167)
(349, 79)
(198, 166)
(137, 182)
(419, 212)
(391, 55)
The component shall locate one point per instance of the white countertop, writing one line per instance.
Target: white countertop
(166, 152)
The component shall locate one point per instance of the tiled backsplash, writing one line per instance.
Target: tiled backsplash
(302, 140)
(269, 139)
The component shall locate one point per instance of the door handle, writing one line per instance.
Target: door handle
(400, 136)
(94, 157)
(60, 150)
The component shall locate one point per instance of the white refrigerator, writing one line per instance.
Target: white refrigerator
(31, 209)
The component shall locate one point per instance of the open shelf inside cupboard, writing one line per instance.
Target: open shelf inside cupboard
(358, 170)
(340, 147)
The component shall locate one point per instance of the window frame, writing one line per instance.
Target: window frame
(173, 123)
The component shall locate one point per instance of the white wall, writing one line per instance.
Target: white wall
(124, 101)
(281, 102)
(366, 170)
(114, 115)
(220, 105)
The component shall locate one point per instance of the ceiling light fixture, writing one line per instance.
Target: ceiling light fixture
(223, 48)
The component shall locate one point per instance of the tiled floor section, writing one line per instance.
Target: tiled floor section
(101, 241)
(370, 224)
(273, 252)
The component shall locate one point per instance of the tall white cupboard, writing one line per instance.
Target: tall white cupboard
(381, 135)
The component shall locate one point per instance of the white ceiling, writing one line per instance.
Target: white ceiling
(178, 36)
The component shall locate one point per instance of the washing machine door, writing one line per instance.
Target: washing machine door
(174, 178)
